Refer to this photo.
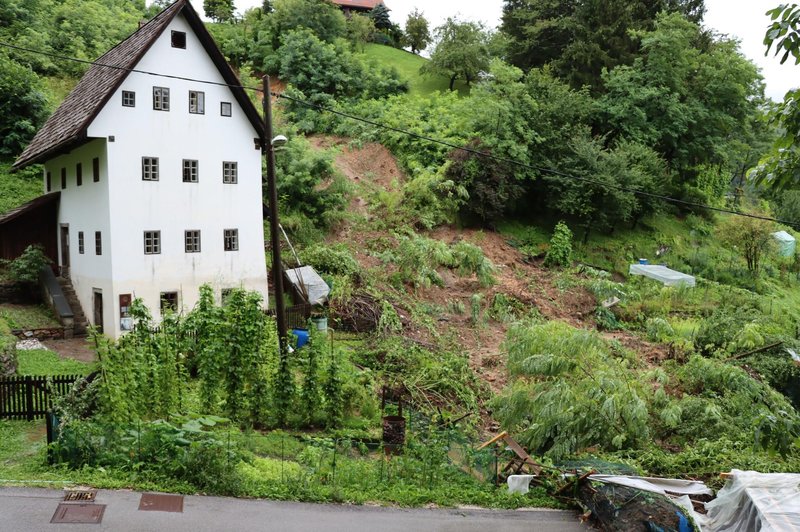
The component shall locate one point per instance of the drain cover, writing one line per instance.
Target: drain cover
(157, 502)
(79, 513)
(80, 495)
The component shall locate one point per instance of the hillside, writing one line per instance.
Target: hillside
(408, 65)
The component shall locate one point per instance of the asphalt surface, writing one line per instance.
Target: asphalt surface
(31, 509)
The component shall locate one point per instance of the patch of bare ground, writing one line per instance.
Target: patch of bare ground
(74, 348)
(648, 352)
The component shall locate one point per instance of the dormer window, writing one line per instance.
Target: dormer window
(161, 98)
(128, 99)
(179, 39)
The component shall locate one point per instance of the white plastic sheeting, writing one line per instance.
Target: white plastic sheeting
(786, 243)
(657, 485)
(763, 502)
(308, 282)
(662, 274)
(519, 483)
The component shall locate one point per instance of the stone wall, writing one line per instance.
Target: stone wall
(8, 351)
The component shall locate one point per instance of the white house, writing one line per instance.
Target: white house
(159, 177)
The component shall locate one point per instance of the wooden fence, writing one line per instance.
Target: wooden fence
(28, 397)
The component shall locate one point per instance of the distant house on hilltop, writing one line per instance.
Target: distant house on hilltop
(153, 183)
(357, 6)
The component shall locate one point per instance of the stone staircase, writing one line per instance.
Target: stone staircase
(79, 318)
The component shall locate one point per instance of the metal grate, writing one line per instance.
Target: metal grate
(79, 513)
(80, 495)
(157, 502)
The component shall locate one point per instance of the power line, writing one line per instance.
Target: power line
(126, 69)
(418, 136)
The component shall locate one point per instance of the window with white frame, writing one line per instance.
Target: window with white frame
(169, 302)
(230, 171)
(231, 239)
(197, 102)
(161, 98)
(128, 99)
(190, 171)
(149, 168)
(192, 240)
(152, 242)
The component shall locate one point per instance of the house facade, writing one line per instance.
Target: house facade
(357, 6)
(159, 177)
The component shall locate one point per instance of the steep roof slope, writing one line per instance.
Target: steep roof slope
(67, 126)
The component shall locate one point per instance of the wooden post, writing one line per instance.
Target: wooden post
(29, 397)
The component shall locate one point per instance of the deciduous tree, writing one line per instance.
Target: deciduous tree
(417, 33)
(219, 10)
(461, 51)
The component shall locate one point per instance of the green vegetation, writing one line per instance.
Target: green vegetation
(45, 362)
(19, 187)
(408, 66)
(27, 317)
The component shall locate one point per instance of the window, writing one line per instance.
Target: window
(96, 169)
(79, 174)
(49, 181)
(128, 99)
(225, 108)
(149, 168)
(80, 242)
(231, 237)
(161, 98)
(152, 242)
(229, 172)
(98, 243)
(63, 178)
(169, 302)
(192, 241)
(226, 294)
(197, 102)
(179, 39)
(189, 171)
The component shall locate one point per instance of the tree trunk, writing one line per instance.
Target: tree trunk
(452, 81)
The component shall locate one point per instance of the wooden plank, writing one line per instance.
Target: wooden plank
(493, 440)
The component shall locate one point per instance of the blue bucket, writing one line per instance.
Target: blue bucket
(302, 337)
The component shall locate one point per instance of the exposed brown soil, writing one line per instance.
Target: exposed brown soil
(74, 348)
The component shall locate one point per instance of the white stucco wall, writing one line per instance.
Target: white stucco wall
(170, 205)
(85, 208)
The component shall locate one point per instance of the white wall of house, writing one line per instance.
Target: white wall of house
(132, 205)
(85, 209)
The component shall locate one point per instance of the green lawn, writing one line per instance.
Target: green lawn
(408, 65)
(27, 316)
(44, 362)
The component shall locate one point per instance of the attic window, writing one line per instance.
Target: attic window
(225, 108)
(128, 99)
(179, 39)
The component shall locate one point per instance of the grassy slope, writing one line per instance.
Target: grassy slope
(44, 362)
(408, 65)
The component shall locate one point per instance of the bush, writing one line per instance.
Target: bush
(560, 252)
(25, 269)
(333, 260)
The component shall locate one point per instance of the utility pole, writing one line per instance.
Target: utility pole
(274, 227)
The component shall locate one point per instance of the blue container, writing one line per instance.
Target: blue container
(302, 337)
(643, 261)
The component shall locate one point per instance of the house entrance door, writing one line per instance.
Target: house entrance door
(98, 310)
(64, 251)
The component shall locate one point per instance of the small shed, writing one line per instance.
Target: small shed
(786, 243)
(662, 274)
(34, 222)
(306, 283)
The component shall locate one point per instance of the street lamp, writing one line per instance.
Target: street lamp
(274, 225)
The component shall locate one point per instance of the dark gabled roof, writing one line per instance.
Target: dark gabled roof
(67, 126)
(32, 205)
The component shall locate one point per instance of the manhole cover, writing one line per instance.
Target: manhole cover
(80, 495)
(79, 513)
(157, 502)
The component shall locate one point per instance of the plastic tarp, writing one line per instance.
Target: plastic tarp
(662, 274)
(519, 483)
(763, 502)
(308, 282)
(786, 243)
(657, 485)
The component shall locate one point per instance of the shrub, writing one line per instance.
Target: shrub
(25, 268)
(560, 252)
(333, 260)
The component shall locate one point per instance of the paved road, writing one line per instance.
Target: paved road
(30, 509)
